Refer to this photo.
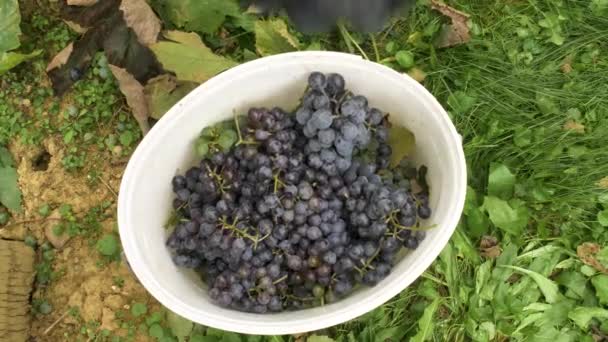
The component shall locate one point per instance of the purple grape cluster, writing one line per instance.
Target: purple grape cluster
(291, 217)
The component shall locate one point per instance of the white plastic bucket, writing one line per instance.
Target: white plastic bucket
(145, 197)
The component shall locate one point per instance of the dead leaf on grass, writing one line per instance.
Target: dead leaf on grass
(163, 91)
(603, 183)
(567, 65)
(586, 252)
(134, 93)
(489, 247)
(75, 27)
(81, 2)
(61, 58)
(417, 74)
(458, 32)
(141, 18)
(572, 125)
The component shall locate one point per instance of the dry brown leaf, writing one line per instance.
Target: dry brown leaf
(458, 32)
(572, 125)
(603, 183)
(567, 65)
(75, 27)
(489, 247)
(141, 18)
(488, 241)
(491, 253)
(61, 58)
(134, 93)
(418, 74)
(81, 2)
(586, 252)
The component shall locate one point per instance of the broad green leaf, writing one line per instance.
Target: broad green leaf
(575, 282)
(547, 287)
(403, 143)
(6, 158)
(317, 338)
(10, 194)
(460, 102)
(470, 202)
(272, 37)
(405, 59)
(156, 330)
(582, 315)
(600, 282)
(155, 317)
(108, 245)
(187, 56)
(139, 309)
(482, 275)
(426, 323)
(522, 137)
(163, 92)
(500, 181)
(198, 337)
(180, 326)
(10, 18)
(478, 223)
(602, 217)
(204, 16)
(9, 60)
(465, 247)
(511, 220)
(390, 334)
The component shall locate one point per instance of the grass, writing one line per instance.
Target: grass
(527, 95)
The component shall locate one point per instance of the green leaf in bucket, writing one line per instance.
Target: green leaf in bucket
(227, 139)
(403, 143)
(201, 147)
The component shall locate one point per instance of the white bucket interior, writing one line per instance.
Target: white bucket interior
(145, 196)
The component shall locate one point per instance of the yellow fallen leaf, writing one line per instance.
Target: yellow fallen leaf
(134, 93)
(458, 32)
(603, 183)
(572, 125)
(61, 58)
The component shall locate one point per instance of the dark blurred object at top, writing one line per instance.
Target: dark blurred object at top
(323, 15)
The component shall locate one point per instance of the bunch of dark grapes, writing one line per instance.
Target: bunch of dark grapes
(290, 217)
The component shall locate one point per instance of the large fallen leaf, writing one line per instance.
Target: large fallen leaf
(511, 219)
(547, 286)
(583, 315)
(500, 181)
(163, 92)
(272, 37)
(403, 143)
(187, 56)
(134, 93)
(61, 58)
(9, 60)
(81, 2)
(456, 33)
(108, 31)
(10, 194)
(10, 18)
(204, 16)
(139, 16)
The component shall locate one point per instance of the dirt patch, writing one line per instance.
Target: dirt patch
(91, 289)
(16, 275)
